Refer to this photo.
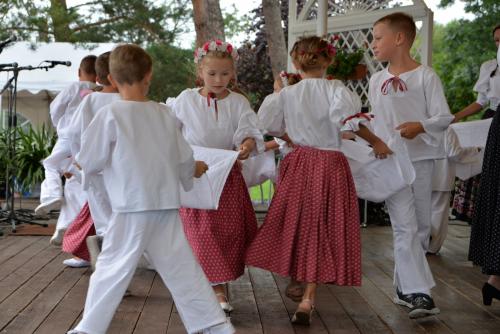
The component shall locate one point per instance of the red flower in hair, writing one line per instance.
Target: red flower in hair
(218, 42)
(206, 46)
(229, 48)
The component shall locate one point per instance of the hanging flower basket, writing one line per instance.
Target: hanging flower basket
(346, 64)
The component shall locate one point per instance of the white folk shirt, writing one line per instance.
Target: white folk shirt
(423, 101)
(65, 104)
(488, 85)
(84, 114)
(312, 113)
(142, 154)
(225, 129)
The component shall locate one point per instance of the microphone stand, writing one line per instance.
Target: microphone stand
(9, 215)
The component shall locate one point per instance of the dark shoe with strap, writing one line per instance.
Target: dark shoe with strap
(490, 292)
(423, 306)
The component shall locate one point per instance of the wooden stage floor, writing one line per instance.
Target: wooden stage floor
(39, 295)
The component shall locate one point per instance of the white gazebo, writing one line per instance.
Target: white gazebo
(352, 20)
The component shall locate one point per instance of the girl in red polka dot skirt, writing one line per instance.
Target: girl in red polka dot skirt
(311, 231)
(214, 116)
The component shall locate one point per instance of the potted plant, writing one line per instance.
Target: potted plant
(346, 63)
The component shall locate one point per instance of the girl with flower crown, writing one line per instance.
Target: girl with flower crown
(216, 117)
(311, 231)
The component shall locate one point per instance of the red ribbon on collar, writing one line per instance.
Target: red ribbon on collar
(213, 97)
(397, 84)
(358, 115)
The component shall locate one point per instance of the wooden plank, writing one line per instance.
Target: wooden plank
(317, 326)
(20, 276)
(16, 247)
(273, 313)
(30, 318)
(245, 316)
(24, 294)
(64, 315)
(128, 311)
(155, 315)
(22, 257)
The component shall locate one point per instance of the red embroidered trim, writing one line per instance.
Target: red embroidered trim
(358, 115)
(213, 97)
(397, 84)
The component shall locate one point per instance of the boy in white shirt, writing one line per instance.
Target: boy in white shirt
(144, 158)
(407, 100)
(58, 162)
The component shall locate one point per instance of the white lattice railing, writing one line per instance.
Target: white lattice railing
(353, 21)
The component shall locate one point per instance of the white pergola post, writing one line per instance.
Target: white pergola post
(322, 22)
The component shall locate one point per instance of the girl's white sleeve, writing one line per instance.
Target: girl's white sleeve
(345, 108)
(271, 118)
(248, 128)
(186, 162)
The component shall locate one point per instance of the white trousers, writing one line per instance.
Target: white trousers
(99, 204)
(440, 214)
(159, 234)
(72, 203)
(422, 190)
(411, 270)
(51, 187)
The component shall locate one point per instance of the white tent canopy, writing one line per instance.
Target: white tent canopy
(37, 88)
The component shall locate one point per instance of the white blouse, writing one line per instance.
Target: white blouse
(142, 155)
(224, 127)
(84, 114)
(313, 112)
(65, 104)
(488, 86)
(422, 100)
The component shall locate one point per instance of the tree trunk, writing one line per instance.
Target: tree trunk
(275, 36)
(208, 21)
(60, 23)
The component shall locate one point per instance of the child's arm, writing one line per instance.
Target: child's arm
(380, 149)
(271, 145)
(471, 109)
(59, 105)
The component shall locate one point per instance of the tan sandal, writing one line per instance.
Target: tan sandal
(294, 291)
(301, 316)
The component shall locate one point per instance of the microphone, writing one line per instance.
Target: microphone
(9, 40)
(13, 65)
(58, 62)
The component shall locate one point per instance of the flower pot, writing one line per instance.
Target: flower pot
(359, 73)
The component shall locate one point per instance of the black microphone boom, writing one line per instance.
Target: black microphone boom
(58, 62)
(13, 65)
(9, 40)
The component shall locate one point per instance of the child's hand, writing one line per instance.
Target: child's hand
(200, 168)
(381, 150)
(68, 175)
(410, 130)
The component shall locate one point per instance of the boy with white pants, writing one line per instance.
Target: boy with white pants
(143, 157)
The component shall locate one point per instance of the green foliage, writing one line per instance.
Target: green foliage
(344, 63)
(234, 23)
(173, 71)
(136, 21)
(31, 148)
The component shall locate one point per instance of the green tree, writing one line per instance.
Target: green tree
(93, 21)
(461, 46)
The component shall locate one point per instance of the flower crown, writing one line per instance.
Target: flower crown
(215, 45)
(329, 48)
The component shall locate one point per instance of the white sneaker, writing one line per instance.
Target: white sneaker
(57, 238)
(76, 263)
(94, 245)
(46, 207)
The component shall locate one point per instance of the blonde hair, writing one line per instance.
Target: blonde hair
(311, 53)
(129, 63)
(400, 22)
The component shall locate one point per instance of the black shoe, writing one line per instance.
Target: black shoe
(404, 300)
(423, 306)
(490, 292)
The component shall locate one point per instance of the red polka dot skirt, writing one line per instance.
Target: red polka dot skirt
(74, 238)
(219, 238)
(311, 232)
